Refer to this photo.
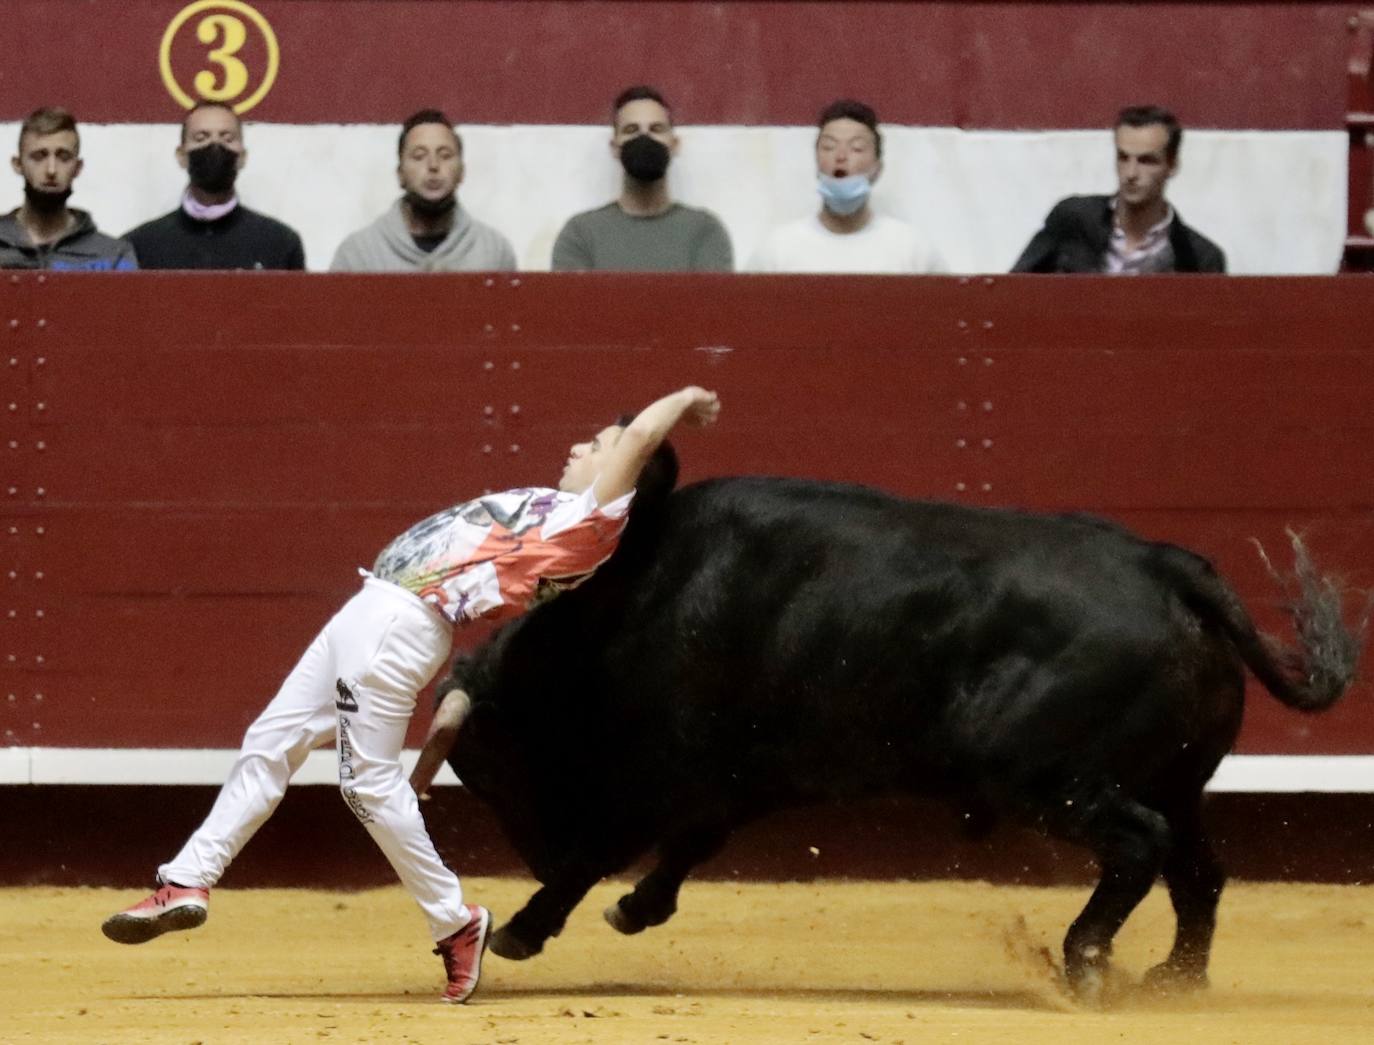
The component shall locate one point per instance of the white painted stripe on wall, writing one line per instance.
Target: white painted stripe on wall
(54, 765)
(75, 765)
(1274, 200)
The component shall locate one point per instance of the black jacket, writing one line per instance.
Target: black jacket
(1077, 232)
(242, 239)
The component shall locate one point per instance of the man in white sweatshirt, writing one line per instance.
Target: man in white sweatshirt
(846, 234)
(426, 230)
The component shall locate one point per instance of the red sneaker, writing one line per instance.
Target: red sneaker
(462, 954)
(171, 907)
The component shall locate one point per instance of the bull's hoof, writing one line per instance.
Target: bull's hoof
(511, 946)
(1165, 978)
(1090, 976)
(621, 920)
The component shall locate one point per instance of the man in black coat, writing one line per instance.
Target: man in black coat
(1136, 231)
(211, 229)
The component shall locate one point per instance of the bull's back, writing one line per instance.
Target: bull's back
(790, 624)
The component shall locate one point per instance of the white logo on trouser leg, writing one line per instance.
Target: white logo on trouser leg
(346, 770)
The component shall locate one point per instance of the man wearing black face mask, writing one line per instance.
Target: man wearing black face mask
(644, 230)
(44, 233)
(426, 230)
(212, 229)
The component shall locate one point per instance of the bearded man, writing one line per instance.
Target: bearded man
(426, 230)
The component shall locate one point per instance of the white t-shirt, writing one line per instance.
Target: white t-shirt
(884, 246)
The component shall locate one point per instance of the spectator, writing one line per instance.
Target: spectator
(1136, 231)
(425, 230)
(212, 229)
(43, 232)
(644, 230)
(846, 235)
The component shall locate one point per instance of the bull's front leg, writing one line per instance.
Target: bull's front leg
(544, 915)
(654, 899)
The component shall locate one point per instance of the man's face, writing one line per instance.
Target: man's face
(643, 116)
(212, 125)
(847, 147)
(1142, 165)
(586, 459)
(48, 162)
(431, 162)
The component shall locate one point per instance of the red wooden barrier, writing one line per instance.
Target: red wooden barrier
(194, 464)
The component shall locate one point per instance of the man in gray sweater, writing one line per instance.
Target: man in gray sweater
(426, 230)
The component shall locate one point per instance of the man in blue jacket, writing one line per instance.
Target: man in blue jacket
(43, 232)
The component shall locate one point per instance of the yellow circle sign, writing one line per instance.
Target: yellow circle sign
(222, 28)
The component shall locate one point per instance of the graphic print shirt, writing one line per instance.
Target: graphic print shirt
(497, 555)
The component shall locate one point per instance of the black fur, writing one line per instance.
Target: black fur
(772, 642)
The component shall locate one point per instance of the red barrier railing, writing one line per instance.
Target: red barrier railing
(195, 463)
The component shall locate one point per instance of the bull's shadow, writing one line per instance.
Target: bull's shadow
(760, 644)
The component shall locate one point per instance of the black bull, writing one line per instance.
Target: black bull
(756, 644)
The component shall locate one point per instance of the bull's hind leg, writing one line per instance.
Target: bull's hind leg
(544, 915)
(1130, 842)
(1195, 879)
(654, 899)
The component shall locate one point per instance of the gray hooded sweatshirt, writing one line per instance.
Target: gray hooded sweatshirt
(387, 246)
(81, 249)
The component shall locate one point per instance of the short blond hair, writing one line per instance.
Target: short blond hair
(48, 120)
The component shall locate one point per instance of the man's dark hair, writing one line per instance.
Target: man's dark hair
(659, 475)
(638, 93)
(422, 117)
(50, 119)
(656, 481)
(849, 109)
(1149, 116)
(205, 104)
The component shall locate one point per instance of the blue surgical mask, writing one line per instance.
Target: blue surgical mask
(844, 195)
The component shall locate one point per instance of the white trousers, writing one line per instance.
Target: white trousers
(357, 683)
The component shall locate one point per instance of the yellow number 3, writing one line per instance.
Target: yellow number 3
(224, 28)
(235, 35)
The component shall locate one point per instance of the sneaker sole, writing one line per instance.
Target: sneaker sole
(481, 953)
(128, 928)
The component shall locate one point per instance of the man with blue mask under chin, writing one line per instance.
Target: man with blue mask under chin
(644, 229)
(847, 235)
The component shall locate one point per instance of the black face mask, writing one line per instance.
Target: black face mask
(644, 158)
(427, 208)
(212, 168)
(45, 201)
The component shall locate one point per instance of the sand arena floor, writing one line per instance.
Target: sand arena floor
(852, 962)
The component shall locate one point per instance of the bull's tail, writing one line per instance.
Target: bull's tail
(1311, 675)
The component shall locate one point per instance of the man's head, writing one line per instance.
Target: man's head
(49, 158)
(211, 149)
(430, 165)
(585, 460)
(848, 141)
(642, 136)
(1147, 143)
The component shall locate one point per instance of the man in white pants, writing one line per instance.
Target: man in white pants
(357, 682)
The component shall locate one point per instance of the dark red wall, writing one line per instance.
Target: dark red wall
(972, 64)
(194, 464)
